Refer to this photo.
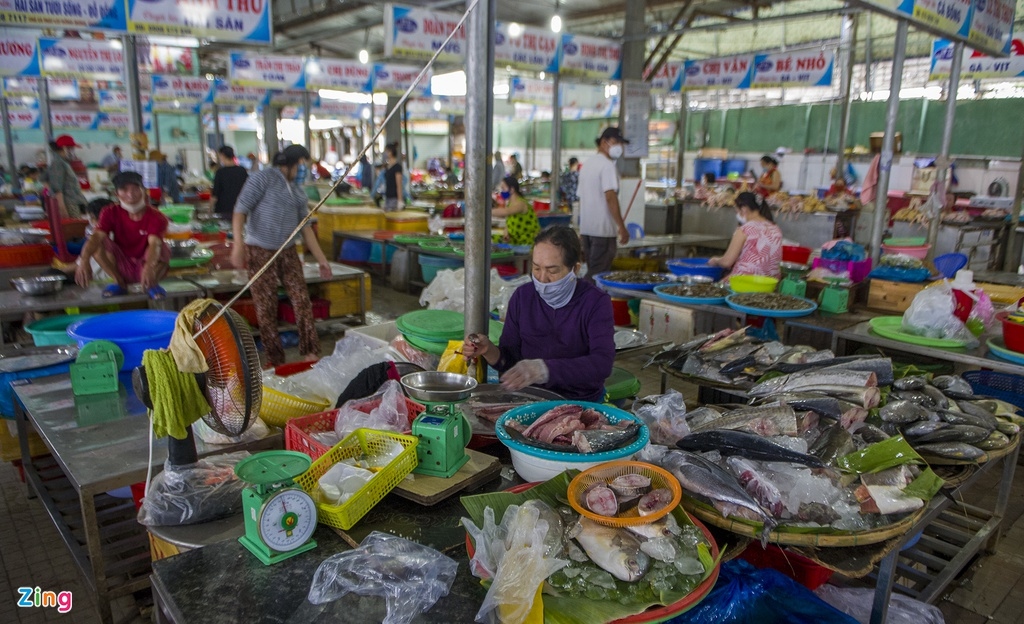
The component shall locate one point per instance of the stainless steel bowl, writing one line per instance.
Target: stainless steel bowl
(438, 386)
(690, 280)
(41, 285)
(181, 248)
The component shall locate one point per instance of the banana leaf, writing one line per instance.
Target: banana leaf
(925, 486)
(880, 456)
(585, 610)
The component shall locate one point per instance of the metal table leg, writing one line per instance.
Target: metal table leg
(883, 588)
(93, 547)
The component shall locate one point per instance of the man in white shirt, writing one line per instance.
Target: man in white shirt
(601, 220)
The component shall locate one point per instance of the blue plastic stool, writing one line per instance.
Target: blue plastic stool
(949, 264)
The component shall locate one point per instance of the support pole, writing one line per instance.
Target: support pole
(156, 130)
(479, 129)
(45, 120)
(405, 138)
(393, 131)
(556, 142)
(131, 75)
(373, 131)
(848, 46)
(869, 74)
(947, 141)
(201, 133)
(1013, 258)
(885, 165)
(307, 110)
(12, 166)
(684, 104)
(217, 142)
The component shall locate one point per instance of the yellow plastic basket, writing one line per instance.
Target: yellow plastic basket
(360, 443)
(279, 407)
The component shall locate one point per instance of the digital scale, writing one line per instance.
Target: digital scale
(442, 428)
(794, 283)
(280, 517)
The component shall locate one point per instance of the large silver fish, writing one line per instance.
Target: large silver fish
(951, 450)
(902, 411)
(813, 380)
(767, 421)
(615, 551)
(723, 340)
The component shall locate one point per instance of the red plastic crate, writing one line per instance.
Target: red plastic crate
(294, 368)
(858, 270)
(321, 310)
(298, 432)
(797, 567)
(247, 309)
(25, 255)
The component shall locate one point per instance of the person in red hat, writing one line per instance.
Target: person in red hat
(62, 179)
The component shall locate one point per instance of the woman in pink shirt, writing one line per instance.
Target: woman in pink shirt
(756, 246)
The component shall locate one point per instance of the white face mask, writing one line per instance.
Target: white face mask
(615, 151)
(558, 293)
(134, 208)
(741, 219)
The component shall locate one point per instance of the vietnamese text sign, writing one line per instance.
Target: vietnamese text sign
(19, 54)
(977, 65)
(533, 49)
(731, 72)
(809, 68)
(339, 75)
(415, 33)
(252, 69)
(82, 58)
(145, 168)
(591, 58)
(992, 24)
(395, 79)
(110, 101)
(290, 97)
(24, 118)
(91, 14)
(75, 120)
(668, 78)
(22, 102)
(226, 20)
(234, 95)
(948, 16)
(187, 91)
(158, 59)
(583, 97)
(531, 91)
(636, 115)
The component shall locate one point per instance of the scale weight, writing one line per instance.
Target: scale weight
(280, 517)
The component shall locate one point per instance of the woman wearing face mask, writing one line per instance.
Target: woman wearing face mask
(520, 220)
(771, 180)
(756, 246)
(394, 199)
(127, 242)
(62, 179)
(559, 331)
(268, 209)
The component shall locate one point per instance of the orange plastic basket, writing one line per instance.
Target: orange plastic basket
(279, 407)
(605, 473)
(25, 255)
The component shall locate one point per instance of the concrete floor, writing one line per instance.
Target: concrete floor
(31, 553)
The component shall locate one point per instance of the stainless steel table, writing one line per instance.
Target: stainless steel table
(98, 444)
(671, 243)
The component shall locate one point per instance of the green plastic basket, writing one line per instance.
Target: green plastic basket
(178, 213)
(53, 329)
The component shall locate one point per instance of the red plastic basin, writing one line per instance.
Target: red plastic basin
(799, 255)
(1013, 333)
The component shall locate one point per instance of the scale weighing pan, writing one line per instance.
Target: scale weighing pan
(439, 386)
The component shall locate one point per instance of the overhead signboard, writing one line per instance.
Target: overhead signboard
(24, 118)
(808, 68)
(590, 58)
(22, 102)
(957, 20)
(186, 91)
(526, 48)
(82, 58)
(531, 91)
(730, 72)
(976, 65)
(111, 101)
(992, 24)
(67, 14)
(19, 53)
(584, 97)
(225, 20)
(253, 69)
(416, 33)
(290, 97)
(167, 60)
(668, 79)
(338, 75)
(395, 79)
(337, 108)
(227, 94)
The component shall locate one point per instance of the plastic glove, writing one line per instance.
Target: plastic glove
(525, 373)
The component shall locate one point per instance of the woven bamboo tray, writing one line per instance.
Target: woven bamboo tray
(784, 537)
(987, 457)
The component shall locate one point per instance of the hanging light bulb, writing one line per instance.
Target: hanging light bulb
(437, 106)
(541, 75)
(556, 23)
(364, 57)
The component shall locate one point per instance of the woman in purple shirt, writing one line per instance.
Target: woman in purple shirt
(559, 331)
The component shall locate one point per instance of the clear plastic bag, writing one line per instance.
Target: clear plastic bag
(256, 431)
(408, 353)
(332, 374)
(409, 576)
(931, 315)
(857, 602)
(389, 412)
(665, 417)
(204, 491)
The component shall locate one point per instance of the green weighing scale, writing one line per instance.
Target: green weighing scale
(280, 517)
(794, 281)
(96, 368)
(835, 298)
(442, 428)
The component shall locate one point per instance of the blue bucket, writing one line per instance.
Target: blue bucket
(355, 250)
(694, 266)
(430, 265)
(376, 252)
(133, 331)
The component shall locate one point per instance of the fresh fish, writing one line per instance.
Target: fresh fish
(952, 383)
(747, 445)
(726, 356)
(871, 434)
(725, 341)
(899, 476)
(914, 382)
(769, 353)
(701, 415)
(954, 433)
(918, 429)
(936, 395)
(1007, 428)
(880, 366)
(819, 513)
(833, 442)
(996, 440)
(813, 380)
(902, 412)
(951, 450)
(666, 527)
(986, 421)
(853, 415)
(997, 407)
(757, 484)
(599, 440)
(914, 396)
(890, 429)
(711, 482)
(766, 421)
(737, 366)
(969, 407)
(550, 446)
(808, 401)
(867, 397)
(672, 352)
(797, 367)
(615, 551)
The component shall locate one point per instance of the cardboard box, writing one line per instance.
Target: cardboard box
(876, 139)
(892, 296)
(713, 152)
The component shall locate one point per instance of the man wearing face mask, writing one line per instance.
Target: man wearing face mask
(559, 331)
(600, 216)
(128, 242)
(269, 208)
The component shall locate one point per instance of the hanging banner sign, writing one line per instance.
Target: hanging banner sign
(26, 87)
(183, 90)
(290, 97)
(82, 58)
(322, 73)
(977, 65)
(808, 68)
(395, 79)
(531, 91)
(66, 14)
(414, 33)
(113, 101)
(120, 121)
(668, 79)
(591, 58)
(948, 16)
(24, 119)
(338, 108)
(730, 72)
(22, 102)
(167, 60)
(228, 94)
(584, 97)
(251, 69)
(532, 49)
(19, 54)
(992, 24)
(76, 120)
(224, 20)
(60, 88)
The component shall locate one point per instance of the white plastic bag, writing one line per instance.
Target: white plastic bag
(857, 602)
(931, 315)
(665, 417)
(332, 374)
(389, 411)
(256, 431)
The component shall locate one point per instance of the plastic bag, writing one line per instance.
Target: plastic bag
(409, 576)
(256, 431)
(745, 594)
(447, 291)
(407, 353)
(931, 315)
(204, 491)
(332, 374)
(664, 415)
(452, 360)
(389, 411)
(857, 603)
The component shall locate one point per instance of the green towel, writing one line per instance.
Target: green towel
(177, 400)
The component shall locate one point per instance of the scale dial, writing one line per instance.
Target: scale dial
(287, 520)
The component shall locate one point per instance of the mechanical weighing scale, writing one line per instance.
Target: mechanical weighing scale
(280, 517)
(793, 282)
(835, 298)
(442, 428)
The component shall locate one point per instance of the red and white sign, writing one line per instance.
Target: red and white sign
(322, 73)
(591, 58)
(532, 49)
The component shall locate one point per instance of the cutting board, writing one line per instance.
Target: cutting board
(427, 490)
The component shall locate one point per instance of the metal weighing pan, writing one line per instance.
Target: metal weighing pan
(438, 386)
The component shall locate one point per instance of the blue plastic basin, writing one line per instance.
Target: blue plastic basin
(694, 266)
(133, 331)
(430, 265)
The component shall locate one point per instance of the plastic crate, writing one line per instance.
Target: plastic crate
(1002, 386)
(858, 270)
(25, 255)
(298, 435)
(797, 567)
(321, 310)
(247, 309)
(361, 443)
(294, 368)
(279, 407)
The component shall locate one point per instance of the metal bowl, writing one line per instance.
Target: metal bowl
(691, 280)
(181, 248)
(438, 386)
(41, 285)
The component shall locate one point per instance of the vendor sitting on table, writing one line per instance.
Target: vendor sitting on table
(520, 219)
(771, 180)
(128, 242)
(559, 330)
(756, 246)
